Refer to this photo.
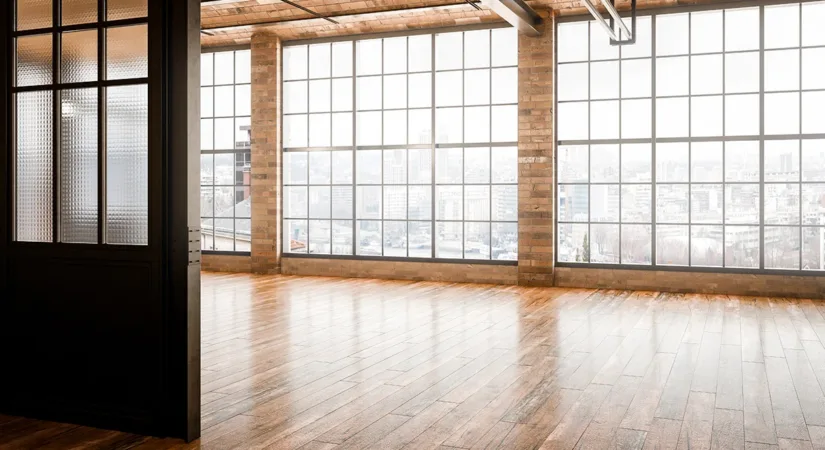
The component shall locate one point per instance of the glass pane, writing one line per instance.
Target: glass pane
(295, 62)
(319, 95)
(395, 55)
(741, 115)
(672, 203)
(341, 202)
(368, 166)
(504, 123)
(342, 167)
(34, 60)
(706, 74)
(476, 202)
(342, 129)
(672, 245)
(420, 90)
(243, 235)
(295, 202)
(207, 134)
(448, 165)
(224, 61)
(295, 131)
(782, 160)
(742, 72)
(127, 52)
(33, 14)
(573, 203)
(672, 162)
(640, 112)
(369, 238)
(504, 47)
(476, 87)
(127, 165)
(420, 239)
(782, 204)
(706, 116)
(368, 57)
(395, 127)
(672, 75)
(369, 128)
(319, 130)
(706, 32)
(813, 160)
(706, 161)
(319, 168)
(78, 166)
(419, 130)
(224, 101)
(604, 163)
(207, 68)
(813, 66)
(319, 202)
(742, 204)
(395, 166)
(504, 241)
(449, 125)
(477, 165)
(505, 202)
(34, 167)
(126, 9)
(643, 44)
(572, 80)
(573, 41)
(477, 240)
(295, 168)
(449, 240)
(813, 110)
(449, 203)
(395, 202)
(295, 236)
(243, 133)
(243, 100)
(476, 49)
(600, 47)
(420, 54)
(706, 246)
(295, 97)
(672, 34)
(604, 203)
(342, 61)
(395, 239)
(448, 53)
(781, 26)
(706, 203)
(636, 163)
(207, 235)
(813, 248)
(574, 243)
(604, 243)
(448, 90)
(320, 59)
(636, 76)
(207, 172)
(742, 161)
(636, 199)
(782, 70)
(342, 94)
(604, 80)
(206, 102)
(742, 247)
(79, 11)
(572, 120)
(573, 163)
(782, 247)
(342, 234)
(477, 124)
(672, 117)
(368, 93)
(224, 202)
(636, 244)
(224, 135)
(243, 66)
(741, 29)
(813, 204)
(224, 235)
(395, 91)
(420, 204)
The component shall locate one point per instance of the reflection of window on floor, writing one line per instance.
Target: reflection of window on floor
(366, 174)
(225, 151)
(673, 160)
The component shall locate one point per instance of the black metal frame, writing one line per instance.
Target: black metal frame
(432, 146)
(761, 138)
(235, 152)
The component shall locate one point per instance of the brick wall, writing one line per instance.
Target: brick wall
(226, 263)
(535, 153)
(266, 153)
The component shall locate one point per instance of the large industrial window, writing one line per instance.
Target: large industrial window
(701, 145)
(402, 146)
(80, 109)
(225, 151)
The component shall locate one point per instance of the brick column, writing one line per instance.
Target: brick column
(535, 157)
(266, 153)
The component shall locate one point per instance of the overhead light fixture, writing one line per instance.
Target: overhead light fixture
(627, 36)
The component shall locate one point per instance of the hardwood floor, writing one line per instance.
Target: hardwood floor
(323, 363)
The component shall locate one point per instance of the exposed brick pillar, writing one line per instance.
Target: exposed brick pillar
(535, 153)
(266, 153)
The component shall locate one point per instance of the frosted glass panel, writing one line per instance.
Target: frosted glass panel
(78, 57)
(34, 60)
(34, 167)
(78, 166)
(126, 9)
(79, 11)
(33, 14)
(127, 198)
(126, 52)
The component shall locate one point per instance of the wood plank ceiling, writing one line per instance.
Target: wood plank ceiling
(227, 22)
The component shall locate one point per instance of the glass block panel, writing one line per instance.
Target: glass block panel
(79, 11)
(33, 14)
(126, 9)
(78, 166)
(78, 57)
(34, 167)
(34, 60)
(127, 50)
(127, 165)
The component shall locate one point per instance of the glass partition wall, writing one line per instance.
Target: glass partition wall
(702, 145)
(402, 147)
(80, 108)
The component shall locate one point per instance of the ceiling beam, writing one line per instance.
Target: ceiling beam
(517, 13)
